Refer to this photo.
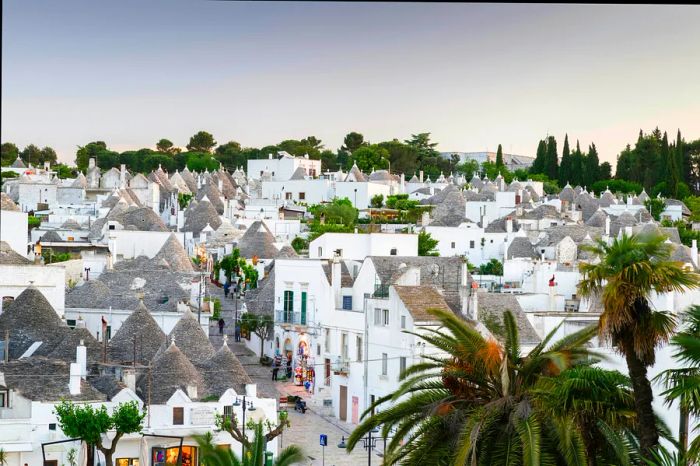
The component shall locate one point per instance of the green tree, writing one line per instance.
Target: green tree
(592, 166)
(338, 212)
(551, 161)
(629, 271)
(31, 154)
(87, 152)
(377, 201)
(682, 385)
(329, 161)
(403, 158)
(201, 142)
(421, 142)
(499, 158)
(565, 167)
(475, 401)
(492, 267)
(671, 175)
(578, 167)
(254, 453)
(539, 163)
(263, 325)
(230, 155)
(353, 141)
(10, 152)
(370, 158)
(200, 161)
(426, 244)
(605, 171)
(63, 171)
(166, 146)
(92, 423)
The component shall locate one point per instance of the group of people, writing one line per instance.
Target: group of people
(222, 324)
(277, 364)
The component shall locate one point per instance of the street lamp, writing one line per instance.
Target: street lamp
(368, 443)
(87, 274)
(356, 198)
(247, 405)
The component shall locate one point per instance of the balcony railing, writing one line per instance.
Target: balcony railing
(290, 317)
(381, 291)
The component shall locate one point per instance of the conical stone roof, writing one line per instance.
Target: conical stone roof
(174, 254)
(170, 371)
(9, 256)
(6, 203)
(223, 371)
(142, 328)
(258, 241)
(29, 318)
(199, 215)
(191, 339)
(189, 180)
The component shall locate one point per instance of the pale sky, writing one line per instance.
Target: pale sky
(474, 75)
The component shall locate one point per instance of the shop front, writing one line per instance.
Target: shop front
(166, 456)
(304, 371)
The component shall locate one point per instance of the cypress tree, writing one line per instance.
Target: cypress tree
(565, 166)
(578, 167)
(551, 161)
(592, 165)
(671, 174)
(681, 162)
(499, 157)
(538, 163)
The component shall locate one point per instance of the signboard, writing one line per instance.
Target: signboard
(324, 440)
(202, 417)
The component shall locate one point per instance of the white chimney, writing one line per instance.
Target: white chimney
(251, 390)
(75, 379)
(552, 298)
(607, 226)
(420, 176)
(192, 392)
(335, 280)
(122, 176)
(694, 252)
(129, 379)
(269, 156)
(509, 225)
(91, 162)
(81, 358)
(425, 218)
(47, 166)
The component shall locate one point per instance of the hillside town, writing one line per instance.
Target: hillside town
(199, 295)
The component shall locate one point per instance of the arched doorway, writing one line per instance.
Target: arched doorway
(288, 348)
(303, 349)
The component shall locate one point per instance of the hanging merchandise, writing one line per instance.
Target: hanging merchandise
(298, 375)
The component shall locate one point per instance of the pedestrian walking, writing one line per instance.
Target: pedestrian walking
(275, 369)
(289, 368)
(221, 326)
(226, 289)
(238, 332)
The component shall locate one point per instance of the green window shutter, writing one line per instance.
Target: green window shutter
(303, 307)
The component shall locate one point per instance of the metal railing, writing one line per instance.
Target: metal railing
(290, 317)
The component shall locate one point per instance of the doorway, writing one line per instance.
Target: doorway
(327, 378)
(343, 415)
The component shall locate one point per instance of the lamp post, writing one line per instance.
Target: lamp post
(368, 443)
(87, 274)
(247, 405)
(356, 198)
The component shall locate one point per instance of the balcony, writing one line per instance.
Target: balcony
(290, 317)
(381, 291)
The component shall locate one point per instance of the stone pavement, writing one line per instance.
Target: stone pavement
(305, 428)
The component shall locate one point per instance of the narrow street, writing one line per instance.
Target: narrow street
(305, 429)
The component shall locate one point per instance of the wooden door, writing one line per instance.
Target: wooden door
(327, 379)
(343, 403)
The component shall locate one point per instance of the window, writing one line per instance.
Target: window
(109, 332)
(288, 305)
(377, 317)
(178, 416)
(4, 398)
(453, 244)
(52, 426)
(385, 363)
(320, 251)
(318, 349)
(403, 321)
(111, 227)
(303, 308)
(344, 346)
(392, 252)
(385, 314)
(471, 244)
(302, 196)
(327, 342)
(228, 411)
(71, 323)
(288, 196)
(127, 462)
(358, 344)
(402, 365)
(347, 303)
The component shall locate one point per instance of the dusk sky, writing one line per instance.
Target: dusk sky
(132, 72)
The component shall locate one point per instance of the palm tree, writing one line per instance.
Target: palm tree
(683, 384)
(629, 271)
(601, 405)
(481, 401)
(254, 455)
